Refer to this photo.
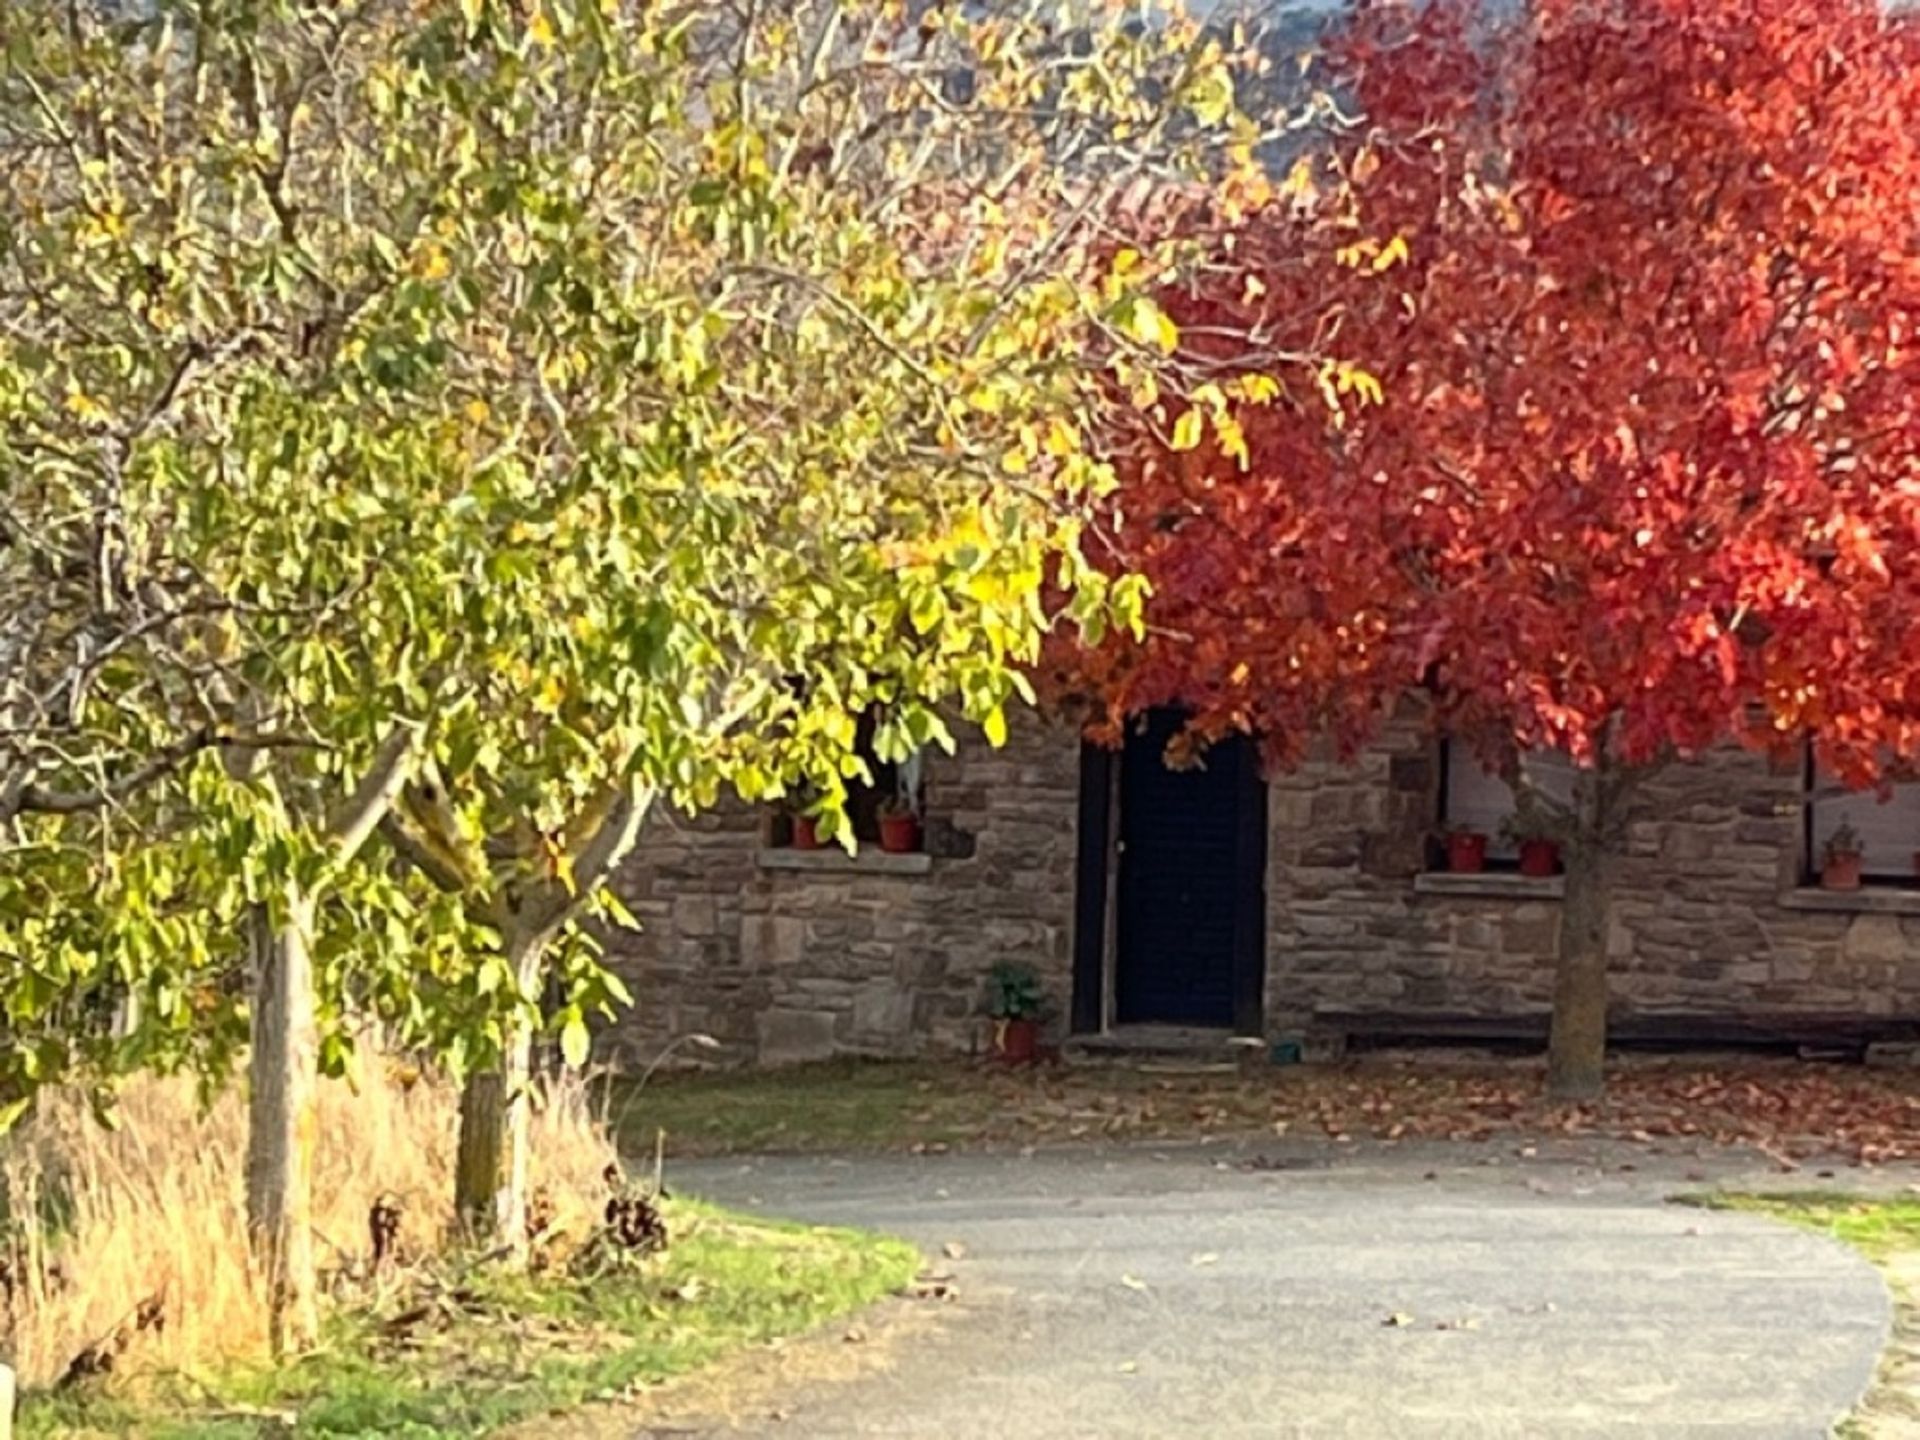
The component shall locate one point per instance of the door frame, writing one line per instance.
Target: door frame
(1095, 925)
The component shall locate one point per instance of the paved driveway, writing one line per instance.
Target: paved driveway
(1396, 1295)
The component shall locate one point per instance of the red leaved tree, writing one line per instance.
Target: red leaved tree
(1638, 283)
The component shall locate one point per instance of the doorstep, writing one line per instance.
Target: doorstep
(1183, 1047)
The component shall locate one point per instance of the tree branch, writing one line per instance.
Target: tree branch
(23, 797)
(421, 855)
(354, 822)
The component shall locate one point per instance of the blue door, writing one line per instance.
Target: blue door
(1192, 851)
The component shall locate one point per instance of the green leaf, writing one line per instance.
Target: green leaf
(575, 1043)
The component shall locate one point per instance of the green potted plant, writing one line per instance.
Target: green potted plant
(1466, 851)
(899, 824)
(1015, 1000)
(1841, 859)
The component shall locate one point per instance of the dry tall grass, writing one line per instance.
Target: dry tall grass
(102, 1220)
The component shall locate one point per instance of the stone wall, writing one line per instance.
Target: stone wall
(888, 955)
(1708, 916)
(869, 955)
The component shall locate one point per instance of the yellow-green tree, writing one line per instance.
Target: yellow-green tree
(480, 423)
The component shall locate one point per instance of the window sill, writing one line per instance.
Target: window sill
(871, 860)
(1499, 884)
(1869, 901)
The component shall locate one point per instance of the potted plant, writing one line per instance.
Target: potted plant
(1841, 859)
(1466, 851)
(1539, 857)
(1015, 1001)
(899, 825)
(806, 825)
(1539, 854)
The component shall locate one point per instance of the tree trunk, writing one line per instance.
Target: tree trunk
(1576, 1049)
(490, 1175)
(283, 1069)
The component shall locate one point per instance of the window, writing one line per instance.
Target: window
(894, 790)
(1473, 798)
(892, 780)
(1888, 825)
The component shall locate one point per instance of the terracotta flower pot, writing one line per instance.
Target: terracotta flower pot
(1466, 853)
(1539, 858)
(806, 833)
(1841, 872)
(1016, 1042)
(899, 834)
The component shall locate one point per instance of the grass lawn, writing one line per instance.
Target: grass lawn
(1782, 1108)
(1887, 1232)
(511, 1348)
(835, 1105)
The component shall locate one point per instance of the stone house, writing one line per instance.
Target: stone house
(1307, 907)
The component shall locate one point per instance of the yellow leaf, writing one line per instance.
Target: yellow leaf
(1152, 326)
(995, 726)
(85, 406)
(1299, 181)
(1259, 389)
(1187, 431)
(1394, 252)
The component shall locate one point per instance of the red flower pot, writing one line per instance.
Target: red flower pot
(1841, 872)
(1017, 1041)
(899, 834)
(1466, 853)
(806, 833)
(1539, 858)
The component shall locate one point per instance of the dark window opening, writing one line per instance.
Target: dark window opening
(1885, 824)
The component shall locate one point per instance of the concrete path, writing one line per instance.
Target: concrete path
(1396, 1294)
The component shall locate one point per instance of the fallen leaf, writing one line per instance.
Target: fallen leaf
(1399, 1320)
(954, 1250)
(1209, 1258)
(1133, 1282)
(1128, 1367)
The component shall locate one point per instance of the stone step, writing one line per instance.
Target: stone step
(1158, 1046)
